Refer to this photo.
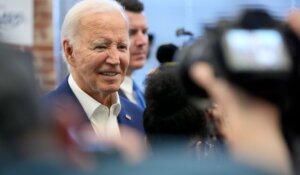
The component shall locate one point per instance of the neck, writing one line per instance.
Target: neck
(105, 99)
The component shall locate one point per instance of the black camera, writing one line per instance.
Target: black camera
(255, 52)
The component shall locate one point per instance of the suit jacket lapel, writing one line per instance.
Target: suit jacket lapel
(69, 97)
(125, 119)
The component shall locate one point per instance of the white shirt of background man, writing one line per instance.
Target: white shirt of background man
(127, 88)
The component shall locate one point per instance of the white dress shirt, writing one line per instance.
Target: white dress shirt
(127, 88)
(103, 119)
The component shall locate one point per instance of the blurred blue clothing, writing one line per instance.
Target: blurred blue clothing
(172, 160)
(38, 167)
(139, 95)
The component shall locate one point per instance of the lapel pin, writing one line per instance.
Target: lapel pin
(128, 117)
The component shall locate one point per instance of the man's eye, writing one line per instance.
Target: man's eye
(123, 47)
(145, 32)
(100, 47)
(132, 32)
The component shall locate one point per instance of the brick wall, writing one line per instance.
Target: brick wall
(43, 50)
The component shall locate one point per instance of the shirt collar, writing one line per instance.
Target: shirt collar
(89, 104)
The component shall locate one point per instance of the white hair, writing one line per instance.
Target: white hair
(84, 8)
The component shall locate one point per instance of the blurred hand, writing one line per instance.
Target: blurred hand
(250, 125)
(294, 21)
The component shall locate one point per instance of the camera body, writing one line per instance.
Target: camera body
(255, 52)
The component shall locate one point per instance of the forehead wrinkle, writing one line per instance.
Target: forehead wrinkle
(100, 28)
(103, 19)
(90, 25)
(102, 37)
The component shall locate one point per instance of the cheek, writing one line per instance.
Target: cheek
(93, 61)
(125, 60)
(86, 65)
(81, 58)
(147, 46)
(132, 41)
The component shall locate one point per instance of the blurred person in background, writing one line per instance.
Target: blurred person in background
(250, 105)
(176, 132)
(19, 111)
(139, 48)
(29, 141)
(250, 125)
(293, 21)
(170, 120)
(95, 43)
(165, 53)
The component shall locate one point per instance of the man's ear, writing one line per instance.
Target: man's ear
(69, 52)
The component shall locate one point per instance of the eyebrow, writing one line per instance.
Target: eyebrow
(101, 41)
(107, 41)
(139, 28)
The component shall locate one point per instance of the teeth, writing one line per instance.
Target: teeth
(109, 74)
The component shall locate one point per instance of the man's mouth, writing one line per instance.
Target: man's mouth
(139, 53)
(110, 74)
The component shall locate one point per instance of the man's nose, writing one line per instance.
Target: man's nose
(141, 39)
(113, 56)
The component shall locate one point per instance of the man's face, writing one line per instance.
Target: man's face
(100, 56)
(138, 40)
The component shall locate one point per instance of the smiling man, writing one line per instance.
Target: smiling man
(95, 43)
(139, 45)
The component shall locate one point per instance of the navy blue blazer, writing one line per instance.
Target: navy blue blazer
(130, 115)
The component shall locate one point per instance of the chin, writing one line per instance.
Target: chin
(108, 88)
(109, 91)
(112, 88)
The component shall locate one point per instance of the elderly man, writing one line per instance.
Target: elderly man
(95, 43)
(139, 45)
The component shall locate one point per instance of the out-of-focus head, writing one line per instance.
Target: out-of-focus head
(165, 53)
(95, 42)
(169, 112)
(138, 30)
(19, 112)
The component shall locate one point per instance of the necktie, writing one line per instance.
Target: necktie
(139, 96)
